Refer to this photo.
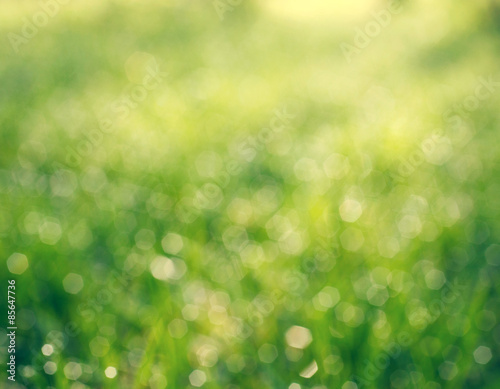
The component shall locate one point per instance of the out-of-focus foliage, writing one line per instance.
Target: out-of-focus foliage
(244, 194)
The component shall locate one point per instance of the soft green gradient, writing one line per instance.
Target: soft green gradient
(263, 220)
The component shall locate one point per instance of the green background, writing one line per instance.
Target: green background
(267, 181)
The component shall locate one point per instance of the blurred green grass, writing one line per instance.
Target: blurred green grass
(263, 223)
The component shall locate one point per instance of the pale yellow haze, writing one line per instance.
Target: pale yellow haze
(316, 10)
